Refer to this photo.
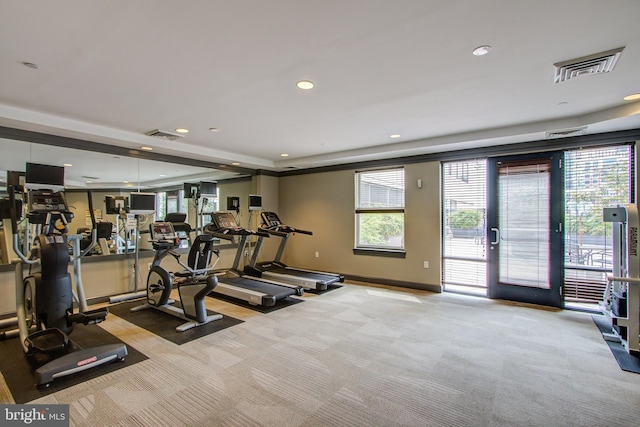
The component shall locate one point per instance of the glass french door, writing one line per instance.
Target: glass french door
(524, 228)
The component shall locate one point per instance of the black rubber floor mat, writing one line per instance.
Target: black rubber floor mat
(164, 324)
(627, 362)
(18, 371)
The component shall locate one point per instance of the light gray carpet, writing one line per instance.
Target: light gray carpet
(368, 355)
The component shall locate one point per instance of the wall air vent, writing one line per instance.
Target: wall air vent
(157, 133)
(598, 63)
(563, 133)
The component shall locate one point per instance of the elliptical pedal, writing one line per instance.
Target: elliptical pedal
(47, 341)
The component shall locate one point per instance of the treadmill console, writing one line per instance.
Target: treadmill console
(224, 225)
(272, 224)
(223, 220)
(270, 219)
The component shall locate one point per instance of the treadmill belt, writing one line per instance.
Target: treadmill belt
(318, 277)
(279, 292)
(285, 302)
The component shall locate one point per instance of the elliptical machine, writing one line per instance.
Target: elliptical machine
(193, 283)
(44, 299)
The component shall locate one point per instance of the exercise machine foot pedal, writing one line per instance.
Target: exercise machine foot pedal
(47, 341)
(89, 317)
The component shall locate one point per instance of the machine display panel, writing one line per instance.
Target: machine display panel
(162, 231)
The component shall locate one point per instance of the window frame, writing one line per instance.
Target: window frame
(393, 208)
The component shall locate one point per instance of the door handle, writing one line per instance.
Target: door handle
(497, 231)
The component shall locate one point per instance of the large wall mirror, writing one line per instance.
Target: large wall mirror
(117, 175)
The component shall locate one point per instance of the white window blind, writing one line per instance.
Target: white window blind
(464, 255)
(380, 209)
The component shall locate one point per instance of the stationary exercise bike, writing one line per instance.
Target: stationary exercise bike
(45, 298)
(193, 283)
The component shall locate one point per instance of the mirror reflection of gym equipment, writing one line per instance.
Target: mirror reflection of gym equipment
(45, 298)
(141, 205)
(621, 302)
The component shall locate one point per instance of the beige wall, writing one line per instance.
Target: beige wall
(268, 187)
(324, 203)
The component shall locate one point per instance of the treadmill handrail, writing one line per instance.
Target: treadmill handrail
(284, 229)
(229, 232)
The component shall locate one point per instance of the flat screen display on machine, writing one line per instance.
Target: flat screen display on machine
(208, 189)
(116, 204)
(255, 202)
(191, 190)
(142, 203)
(44, 177)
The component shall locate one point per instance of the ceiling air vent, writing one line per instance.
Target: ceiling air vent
(598, 63)
(563, 133)
(157, 133)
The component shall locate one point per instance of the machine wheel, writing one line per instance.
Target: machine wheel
(159, 286)
(30, 302)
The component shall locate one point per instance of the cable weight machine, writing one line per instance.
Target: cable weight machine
(621, 302)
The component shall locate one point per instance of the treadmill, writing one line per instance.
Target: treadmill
(276, 269)
(232, 282)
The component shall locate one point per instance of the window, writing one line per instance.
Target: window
(380, 209)
(169, 202)
(161, 205)
(599, 177)
(464, 245)
(593, 179)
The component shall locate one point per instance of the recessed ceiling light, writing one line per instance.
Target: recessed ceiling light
(31, 65)
(284, 155)
(89, 182)
(395, 135)
(182, 130)
(68, 165)
(214, 129)
(235, 164)
(481, 50)
(632, 97)
(125, 182)
(145, 148)
(162, 174)
(305, 84)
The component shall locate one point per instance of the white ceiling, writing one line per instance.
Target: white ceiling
(109, 71)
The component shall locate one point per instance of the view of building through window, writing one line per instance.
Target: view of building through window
(380, 209)
(594, 179)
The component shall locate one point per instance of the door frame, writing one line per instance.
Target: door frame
(550, 297)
